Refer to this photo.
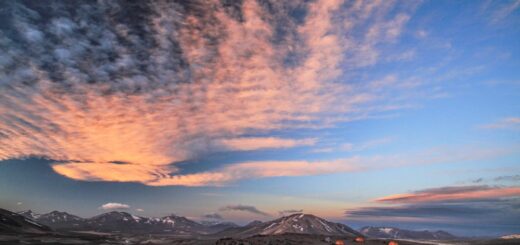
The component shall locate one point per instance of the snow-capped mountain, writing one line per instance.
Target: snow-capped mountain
(125, 223)
(29, 214)
(60, 220)
(57, 220)
(396, 233)
(296, 223)
(15, 223)
(119, 222)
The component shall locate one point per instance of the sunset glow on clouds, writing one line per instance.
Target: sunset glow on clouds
(388, 111)
(452, 193)
(105, 113)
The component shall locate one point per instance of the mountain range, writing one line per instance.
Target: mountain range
(123, 222)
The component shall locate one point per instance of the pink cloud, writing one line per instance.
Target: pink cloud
(105, 119)
(452, 193)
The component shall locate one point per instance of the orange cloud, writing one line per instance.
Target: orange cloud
(452, 193)
(131, 105)
(161, 175)
(260, 169)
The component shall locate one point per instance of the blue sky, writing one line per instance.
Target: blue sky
(335, 108)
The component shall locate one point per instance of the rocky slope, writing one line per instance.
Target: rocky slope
(14, 223)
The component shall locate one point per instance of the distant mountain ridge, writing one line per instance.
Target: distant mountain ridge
(396, 233)
(124, 222)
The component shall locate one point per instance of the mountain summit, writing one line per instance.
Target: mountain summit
(296, 223)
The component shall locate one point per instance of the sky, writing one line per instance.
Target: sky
(383, 113)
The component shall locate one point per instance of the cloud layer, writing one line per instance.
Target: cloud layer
(493, 209)
(452, 193)
(118, 92)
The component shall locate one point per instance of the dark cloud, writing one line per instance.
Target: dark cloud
(492, 216)
(244, 208)
(290, 211)
(477, 208)
(213, 216)
(453, 189)
(436, 210)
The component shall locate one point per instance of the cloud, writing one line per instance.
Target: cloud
(512, 178)
(492, 210)
(258, 169)
(504, 10)
(114, 205)
(244, 208)
(213, 216)
(421, 34)
(139, 210)
(256, 143)
(290, 211)
(474, 210)
(112, 98)
(354, 147)
(452, 193)
(504, 123)
(265, 169)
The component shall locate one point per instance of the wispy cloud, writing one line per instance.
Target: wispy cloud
(452, 193)
(355, 147)
(503, 10)
(243, 208)
(114, 205)
(504, 123)
(505, 178)
(264, 169)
